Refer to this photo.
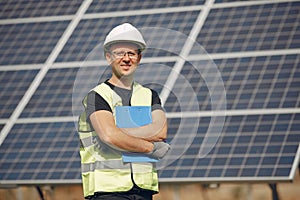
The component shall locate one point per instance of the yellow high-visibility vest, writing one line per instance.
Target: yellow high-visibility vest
(102, 167)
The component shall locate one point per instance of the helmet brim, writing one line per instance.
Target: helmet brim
(139, 45)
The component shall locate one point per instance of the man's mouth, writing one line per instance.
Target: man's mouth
(125, 67)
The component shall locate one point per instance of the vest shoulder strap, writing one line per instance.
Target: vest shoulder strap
(141, 96)
(108, 94)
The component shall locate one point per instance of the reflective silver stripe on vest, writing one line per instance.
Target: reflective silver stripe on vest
(108, 164)
(95, 141)
(89, 141)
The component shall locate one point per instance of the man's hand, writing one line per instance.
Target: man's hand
(160, 149)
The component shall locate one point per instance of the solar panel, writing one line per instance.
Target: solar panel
(40, 152)
(245, 51)
(21, 9)
(29, 43)
(13, 85)
(246, 151)
(53, 96)
(251, 28)
(269, 82)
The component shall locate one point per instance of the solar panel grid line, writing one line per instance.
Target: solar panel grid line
(244, 54)
(235, 143)
(231, 78)
(249, 3)
(294, 30)
(29, 120)
(238, 28)
(188, 8)
(185, 51)
(243, 83)
(279, 26)
(281, 150)
(2, 122)
(283, 27)
(255, 26)
(36, 19)
(239, 112)
(43, 71)
(116, 6)
(251, 36)
(236, 155)
(289, 82)
(142, 12)
(18, 7)
(263, 153)
(258, 83)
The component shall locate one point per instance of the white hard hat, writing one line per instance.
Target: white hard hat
(125, 33)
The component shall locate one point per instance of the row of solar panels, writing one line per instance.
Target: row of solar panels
(254, 48)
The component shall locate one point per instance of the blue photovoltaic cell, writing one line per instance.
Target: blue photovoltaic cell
(40, 151)
(250, 28)
(273, 90)
(117, 5)
(54, 95)
(29, 43)
(241, 159)
(13, 85)
(22, 8)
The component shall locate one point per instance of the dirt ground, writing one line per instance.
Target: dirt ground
(168, 191)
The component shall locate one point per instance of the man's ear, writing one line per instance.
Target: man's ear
(140, 57)
(108, 57)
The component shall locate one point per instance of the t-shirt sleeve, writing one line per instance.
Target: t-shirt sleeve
(156, 102)
(96, 102)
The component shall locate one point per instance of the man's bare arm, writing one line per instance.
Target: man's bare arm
(154, 132)
(104, 124)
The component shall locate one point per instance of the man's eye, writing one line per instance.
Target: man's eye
(120, 53)
(131, 54)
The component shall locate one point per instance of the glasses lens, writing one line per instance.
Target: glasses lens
(121, 54)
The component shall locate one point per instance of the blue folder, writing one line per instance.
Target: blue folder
(132, 117)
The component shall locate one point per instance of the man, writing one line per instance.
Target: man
(104, 174)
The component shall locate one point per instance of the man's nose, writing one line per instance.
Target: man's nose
(126, 57)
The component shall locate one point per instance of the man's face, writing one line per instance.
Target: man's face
(124, 59)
